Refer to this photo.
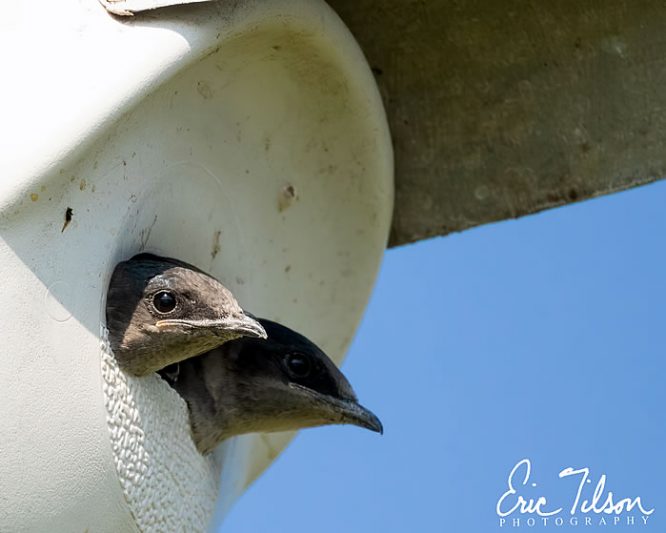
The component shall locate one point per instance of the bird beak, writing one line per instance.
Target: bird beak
(242, 326)
(356, 414)
(245, 324)
(344, 411)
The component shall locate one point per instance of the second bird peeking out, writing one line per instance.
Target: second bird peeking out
(284, 382)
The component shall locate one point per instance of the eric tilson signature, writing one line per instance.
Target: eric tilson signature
(602, 502)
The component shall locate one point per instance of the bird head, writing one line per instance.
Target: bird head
(284, 382)
(160, 311)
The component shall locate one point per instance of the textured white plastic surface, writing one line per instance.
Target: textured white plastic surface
(246, 138)
(165, 481)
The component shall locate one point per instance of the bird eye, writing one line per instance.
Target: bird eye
(298, 365)
(164, 301)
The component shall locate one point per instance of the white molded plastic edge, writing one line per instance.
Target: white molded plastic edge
(130, 7)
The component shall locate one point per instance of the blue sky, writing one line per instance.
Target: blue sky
(540, 339)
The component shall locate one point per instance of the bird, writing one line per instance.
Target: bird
(283, 382)
(160, 311)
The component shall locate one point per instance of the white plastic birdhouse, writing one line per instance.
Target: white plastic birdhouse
(247, 138)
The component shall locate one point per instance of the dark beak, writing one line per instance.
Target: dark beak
(343, 411)
(356, 414)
